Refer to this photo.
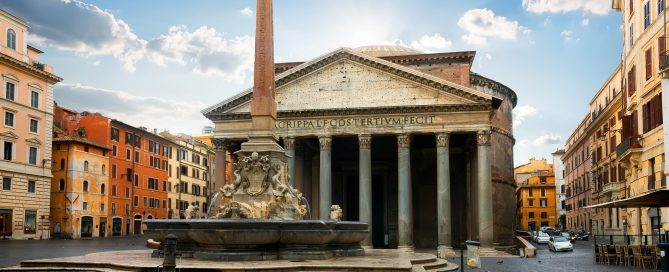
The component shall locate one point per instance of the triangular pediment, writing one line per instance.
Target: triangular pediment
(9, 135)
(346, 79)
(34, 141)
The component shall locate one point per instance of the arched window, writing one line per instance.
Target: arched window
(85, 185)
(102, 189)
(104, 169)
(61, 185)
(62, 164)
(11, 39)
(86, 166)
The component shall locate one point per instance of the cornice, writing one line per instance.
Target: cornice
(360, 111)
(5, 59)
(479, 80)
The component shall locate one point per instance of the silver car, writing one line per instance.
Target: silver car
(542, 237)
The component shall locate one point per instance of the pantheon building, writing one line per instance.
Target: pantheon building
(415, 144)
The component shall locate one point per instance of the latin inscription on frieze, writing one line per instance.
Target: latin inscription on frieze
(355, 122)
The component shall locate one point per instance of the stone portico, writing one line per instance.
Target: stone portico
(413, 144)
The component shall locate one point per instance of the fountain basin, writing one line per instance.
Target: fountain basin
(260, 239)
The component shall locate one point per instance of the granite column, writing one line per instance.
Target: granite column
(443, 195)
(365, 184)
(325, 179)
(484, 189)
(404, 199)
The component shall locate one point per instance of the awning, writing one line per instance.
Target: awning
(653, 198)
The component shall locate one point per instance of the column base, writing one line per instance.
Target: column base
(407, 249)
(446, 251)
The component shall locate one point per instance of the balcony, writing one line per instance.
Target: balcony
(612, 187)
(629, 150)
(664, 61)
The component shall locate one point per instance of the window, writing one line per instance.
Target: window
(114, 134)
(113, 208)
(113, 190)
(649, 63)
(137, 156)
(10, 89)
(562, 188)
(61, 185)
(543, 191)
(29, 223)
(6, 184)
(8, 151)
(631, 6)
(136, 180)
(104, 169)
(184, 170)
(114, 150)
(127, 154)
(11, 39)
(113, 171)
(652, 113)
(145, 201)
(164, 185)
(102, 189)
(84, 206)
(646, 14)
(86, 166)
(102, 207)
(33, 125)
(543, 202)
(530, 192)
(9, 119)
(135, 201)
(660, 6)
(544, 215)
(631, 34)
(31, 186)
(85, 185)
(128, 138)
(562, 204)
(530, 202)
(631, 81)
(32, 155)
(661, 51)
(127, 192)
(34, 99)
(531, 215)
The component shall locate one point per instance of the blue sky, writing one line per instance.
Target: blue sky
(157, 63)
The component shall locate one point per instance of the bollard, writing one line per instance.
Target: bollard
(170, 252)
(664, 256)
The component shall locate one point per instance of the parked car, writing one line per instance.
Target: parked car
(583, 236)
(545, 228)
(559, 243)
(542, 238)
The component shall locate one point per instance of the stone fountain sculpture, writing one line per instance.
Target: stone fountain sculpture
(260, 190)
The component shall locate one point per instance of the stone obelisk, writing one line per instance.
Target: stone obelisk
(263, 104)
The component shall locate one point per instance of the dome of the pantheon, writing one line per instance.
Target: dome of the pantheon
(387, 50)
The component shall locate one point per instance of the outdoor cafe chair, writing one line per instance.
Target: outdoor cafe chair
(607, 255)
(596, 254)
(620, 254)
(636, 253)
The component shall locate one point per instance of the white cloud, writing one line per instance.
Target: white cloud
(547, 21)
(136, 110)
(431, 43)
(522, 112)
(481, 24)
(523, 143)
(585, 22)
(568, 35)
(209, 51)
(79, 27)
(547, 139)
(599, 7)
(487, 56)
(246, 12)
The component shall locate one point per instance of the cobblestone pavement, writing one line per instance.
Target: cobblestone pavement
(546, 261)
(12, 252)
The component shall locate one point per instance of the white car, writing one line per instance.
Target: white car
(559, 243)
(542, 238)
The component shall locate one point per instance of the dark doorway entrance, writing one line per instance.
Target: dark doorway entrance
(5, 223)
(103, 227)
(86, 227)
(138, 224)
(379, 226)
(117, 224)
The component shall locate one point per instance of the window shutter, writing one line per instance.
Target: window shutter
(649, 63)
(661, 48)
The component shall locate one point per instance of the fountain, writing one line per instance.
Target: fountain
(261, 216)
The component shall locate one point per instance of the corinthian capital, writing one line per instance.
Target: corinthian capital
(442, 139)
(220, 144)
(403, 140)
(483, 137)
(325, 142)
(289, 143)
(365, 141)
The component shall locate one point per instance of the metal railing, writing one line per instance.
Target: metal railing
(627, 144)
(664, 60)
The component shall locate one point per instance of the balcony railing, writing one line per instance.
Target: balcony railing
(664, 60)
(627, 145)
(612, 187)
